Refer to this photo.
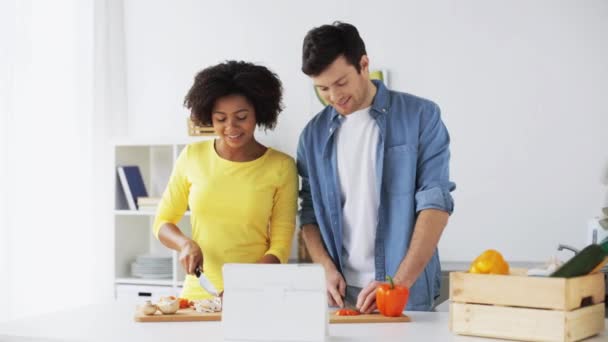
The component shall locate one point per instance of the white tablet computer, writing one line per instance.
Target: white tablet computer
(274, 302)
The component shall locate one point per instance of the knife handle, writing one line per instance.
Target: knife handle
(197, 271)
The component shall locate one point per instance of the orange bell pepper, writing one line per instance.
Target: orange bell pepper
(391, 299)
(489, 262)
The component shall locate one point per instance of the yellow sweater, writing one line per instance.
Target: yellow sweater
(240, 211)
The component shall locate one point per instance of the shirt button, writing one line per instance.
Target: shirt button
(384, 110)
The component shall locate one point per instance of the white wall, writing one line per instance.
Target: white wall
(520, 84)
(54, 238)
(7, 31)
(49, 226)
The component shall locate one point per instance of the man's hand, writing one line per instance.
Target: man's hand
(190, 256)
(336, 287)
(366, 301)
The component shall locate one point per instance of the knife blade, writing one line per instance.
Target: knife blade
(205, 282)
(349, 305)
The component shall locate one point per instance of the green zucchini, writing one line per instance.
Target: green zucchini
(582, 263)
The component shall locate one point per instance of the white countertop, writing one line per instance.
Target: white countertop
(114, 322)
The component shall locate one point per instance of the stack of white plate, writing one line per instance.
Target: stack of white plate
(152, 266)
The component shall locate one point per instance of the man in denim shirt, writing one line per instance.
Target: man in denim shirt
(375, 177)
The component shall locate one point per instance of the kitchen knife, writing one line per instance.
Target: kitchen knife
(205, 283)
(349, 300)
(349, 305)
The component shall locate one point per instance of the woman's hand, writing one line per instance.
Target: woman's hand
(269, 259)
(190, 256)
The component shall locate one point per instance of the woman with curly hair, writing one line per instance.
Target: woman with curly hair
(242, 194)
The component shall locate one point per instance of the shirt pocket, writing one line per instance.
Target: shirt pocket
(400, 169)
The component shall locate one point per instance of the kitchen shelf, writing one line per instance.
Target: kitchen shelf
(143, 281)
(133, 228)
(124, 212)
(164, 141)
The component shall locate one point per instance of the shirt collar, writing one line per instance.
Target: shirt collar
(380, 104)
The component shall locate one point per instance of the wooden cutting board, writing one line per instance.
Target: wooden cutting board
(182, 315)
(190, 315)
(368, 318)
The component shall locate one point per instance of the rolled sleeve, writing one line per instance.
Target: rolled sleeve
(435, 198)
(433, 179)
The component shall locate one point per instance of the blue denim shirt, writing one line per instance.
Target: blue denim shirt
(412, 175)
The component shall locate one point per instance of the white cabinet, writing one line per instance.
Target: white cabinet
(139, 293)
(133, 234)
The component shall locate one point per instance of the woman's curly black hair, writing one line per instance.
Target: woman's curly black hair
(260, 86)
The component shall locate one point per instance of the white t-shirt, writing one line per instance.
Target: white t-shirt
(357, 140)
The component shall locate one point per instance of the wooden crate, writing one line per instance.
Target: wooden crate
(527, 308)
(196, 130)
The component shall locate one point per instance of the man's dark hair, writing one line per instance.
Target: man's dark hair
(260, 86)
(322, 45)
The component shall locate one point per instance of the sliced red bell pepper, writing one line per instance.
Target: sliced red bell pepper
(347, 312)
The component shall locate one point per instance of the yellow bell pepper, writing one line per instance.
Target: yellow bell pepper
(489, 262)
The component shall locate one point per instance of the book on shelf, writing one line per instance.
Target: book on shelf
(148, 201)
(151, 208)
(132, 184)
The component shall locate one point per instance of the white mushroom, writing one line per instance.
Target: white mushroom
(167, 305)
(148, 308)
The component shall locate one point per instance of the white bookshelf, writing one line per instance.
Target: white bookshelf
(140, 281)
(133, 228)
(126, 212)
